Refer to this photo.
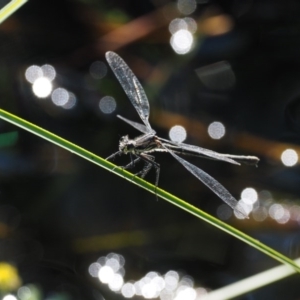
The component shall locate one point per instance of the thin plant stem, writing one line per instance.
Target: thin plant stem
(251, 283)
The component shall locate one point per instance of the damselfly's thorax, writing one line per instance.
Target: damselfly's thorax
(145, 143)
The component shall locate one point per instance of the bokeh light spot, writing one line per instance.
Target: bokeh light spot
(113, 263)
(48, 72)
(182, 41)
(106, 274)
(186, 293)
(60, 96)
(128, 290)
(94, 269)
(32, 73)
(149, 291)
(71, 102)
(295, 213)
(276, 211)
(116, 282)
(24, 293)
(279, 213)
(176, 25)
(98, 69)
(42, 87)
(191, 24)
(177, 134)
(185, 24)
(289, 157)
(186, 7)
(260, 214)
(107, 104)
(171, 280)
(224, 212)
(249, 195)
(9, 297)
(216, 130)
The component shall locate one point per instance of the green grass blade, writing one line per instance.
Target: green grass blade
(251, 283)
(145, 185)
(10, 8)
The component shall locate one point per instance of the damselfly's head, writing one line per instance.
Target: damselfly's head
(126, 145)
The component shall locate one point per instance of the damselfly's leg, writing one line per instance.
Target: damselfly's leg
(132, 163)
(128, 166)
(149, 160)
(114, 155)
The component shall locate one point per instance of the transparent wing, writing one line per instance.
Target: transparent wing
(187, 149)
(131, 86)
(140, 127)
(211, 183)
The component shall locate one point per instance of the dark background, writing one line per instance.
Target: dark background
(60, 213)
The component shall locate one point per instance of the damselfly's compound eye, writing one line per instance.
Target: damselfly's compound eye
(126, 145)
(123, 142)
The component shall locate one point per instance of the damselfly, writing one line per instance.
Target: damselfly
(141, 147)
